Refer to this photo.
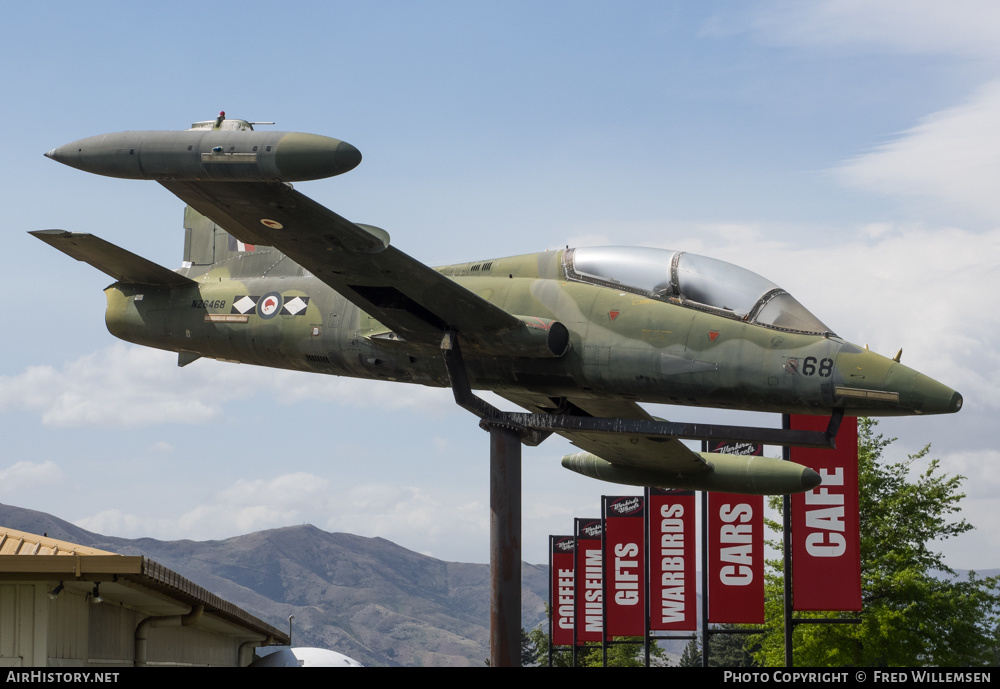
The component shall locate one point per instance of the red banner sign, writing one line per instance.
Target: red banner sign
(826, 545)
(624, 566)
(561, 590)
(673, 601)
(735, 558)
(589, 576)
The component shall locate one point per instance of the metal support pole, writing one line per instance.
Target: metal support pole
(704, 573)
(505, 546)
(786, 519)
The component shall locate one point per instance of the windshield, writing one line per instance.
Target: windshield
(691, 280)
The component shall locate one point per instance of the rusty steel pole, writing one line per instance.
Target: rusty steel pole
(505, 546)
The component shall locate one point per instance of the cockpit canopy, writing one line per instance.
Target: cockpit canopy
(693, 281)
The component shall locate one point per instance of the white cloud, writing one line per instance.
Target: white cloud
(975, 549)
(25, 475)
(114, 522)
(121, 385)
(966, 28)
(425, 521)
(286, 492)
(980, 471)
(980, 507)
(128, 385)
(951, 156)
(245, 506)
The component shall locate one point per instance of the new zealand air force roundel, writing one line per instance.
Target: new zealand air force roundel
(269, 305)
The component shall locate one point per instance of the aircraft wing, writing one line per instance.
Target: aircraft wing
(650, 459)
(637, 451)
(415, 301)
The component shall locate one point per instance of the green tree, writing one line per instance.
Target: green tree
(731, 650)
(691, 657)
(726, 650)
(916, 611)
(626, 653)
(529, 649)
(619, 654)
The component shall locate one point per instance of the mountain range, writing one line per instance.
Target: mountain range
(368, 598)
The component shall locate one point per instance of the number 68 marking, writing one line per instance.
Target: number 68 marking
(809, 367)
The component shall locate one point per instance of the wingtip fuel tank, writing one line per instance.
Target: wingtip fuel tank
(726, 473)
(230, 154)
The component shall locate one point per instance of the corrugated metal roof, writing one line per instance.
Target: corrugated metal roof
(28, 557)
(14, 542)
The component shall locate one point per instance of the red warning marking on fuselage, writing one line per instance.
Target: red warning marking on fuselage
(713, 335)
(613, 314)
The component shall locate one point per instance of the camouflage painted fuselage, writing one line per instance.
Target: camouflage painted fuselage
(623, 345)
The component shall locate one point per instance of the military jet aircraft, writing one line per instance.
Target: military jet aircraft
(272, 278)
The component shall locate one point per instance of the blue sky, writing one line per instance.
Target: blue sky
(845, 150)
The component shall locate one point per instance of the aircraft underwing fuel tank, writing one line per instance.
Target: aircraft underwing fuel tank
(575, 336)
(723, 473)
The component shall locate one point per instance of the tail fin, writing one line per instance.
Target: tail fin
(122, 265)
(207, 245)
(204, 243)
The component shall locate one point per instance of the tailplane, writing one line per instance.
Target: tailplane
(122, 265)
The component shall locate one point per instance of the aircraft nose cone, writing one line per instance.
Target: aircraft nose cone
(51, 154)
(922, 394)
(956, 402)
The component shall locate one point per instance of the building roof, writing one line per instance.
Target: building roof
(135, 581)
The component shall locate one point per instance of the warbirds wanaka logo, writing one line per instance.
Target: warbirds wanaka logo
(592, 530)
(738, 448)
(566, 544)
(270, 305)
(626, 506)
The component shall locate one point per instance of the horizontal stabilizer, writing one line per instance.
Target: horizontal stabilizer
(122, 265)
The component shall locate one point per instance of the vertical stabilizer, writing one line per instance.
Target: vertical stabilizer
(199, 238)
(206, 245)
